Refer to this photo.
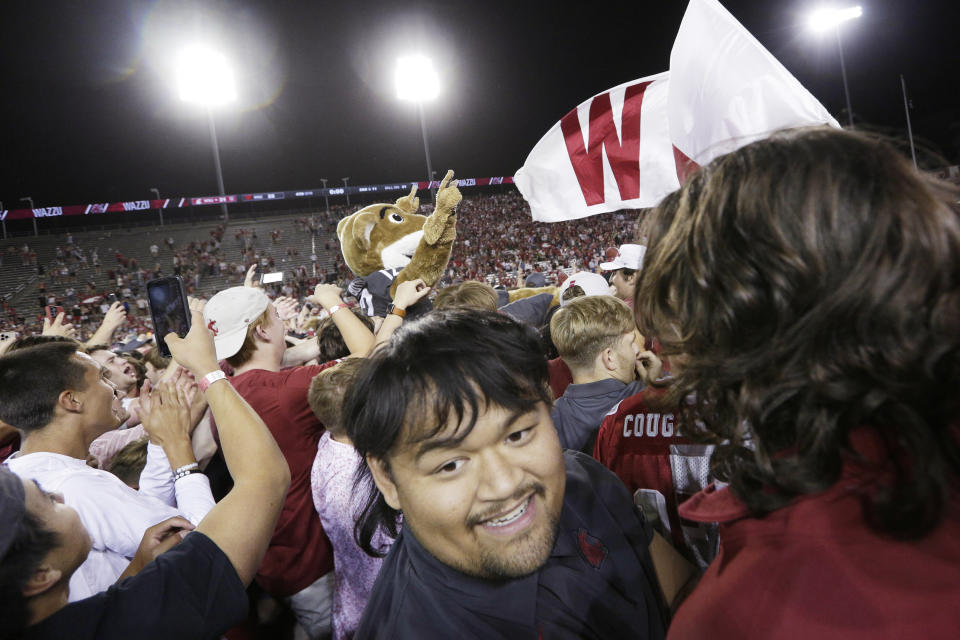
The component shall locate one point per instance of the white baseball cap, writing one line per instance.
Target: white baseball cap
(629, 256)
(229, 313)
(593, 284)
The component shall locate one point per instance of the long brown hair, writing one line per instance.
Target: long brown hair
(811, 282)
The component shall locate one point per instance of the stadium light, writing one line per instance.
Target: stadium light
(824, 19)
(417, 81)
(204, 77)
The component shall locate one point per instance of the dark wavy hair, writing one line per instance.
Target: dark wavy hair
(30, 545)
(452, 362)
(810, 285)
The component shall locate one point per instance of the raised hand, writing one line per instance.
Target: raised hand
(327, 295)
(115, 316)
(448, 196)
(194, 352)
(287, 308)
(165, 414)
(58, 327)
(251, 278)
(409, 293)
(439, 226)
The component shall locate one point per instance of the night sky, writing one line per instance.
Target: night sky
(90, 112)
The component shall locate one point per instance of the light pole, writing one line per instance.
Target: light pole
(205, 77)
(345, 189)
(33, 214)
(906, 109)
(156, 192)
(824, 19)
(417, 81)
(326, 196)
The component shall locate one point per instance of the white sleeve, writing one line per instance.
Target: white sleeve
(115, 515)
(156, 479)
(191, 495)
(194, 499)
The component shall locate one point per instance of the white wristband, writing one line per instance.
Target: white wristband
(210, 378)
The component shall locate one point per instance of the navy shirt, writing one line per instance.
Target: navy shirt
(578, 413)
(189, 592)
(597, 583)
(375, 298)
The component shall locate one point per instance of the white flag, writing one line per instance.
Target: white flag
(631, 145)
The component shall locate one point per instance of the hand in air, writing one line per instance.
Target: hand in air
(409, 293)
(194, 352)
(58, 327)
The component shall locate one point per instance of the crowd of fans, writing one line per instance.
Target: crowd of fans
(735, 420)
(496, 239)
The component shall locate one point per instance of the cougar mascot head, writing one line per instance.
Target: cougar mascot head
(396, 237)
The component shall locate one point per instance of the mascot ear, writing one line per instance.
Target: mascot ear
(355, 229)
(409, 204)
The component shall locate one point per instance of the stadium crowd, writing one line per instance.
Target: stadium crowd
(734, 416)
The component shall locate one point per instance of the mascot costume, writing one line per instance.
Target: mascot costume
(386, 244)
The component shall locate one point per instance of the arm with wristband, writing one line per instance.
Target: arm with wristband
(260, 472)
(356, 335)
(408, 294)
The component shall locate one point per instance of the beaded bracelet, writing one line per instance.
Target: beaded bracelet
(183, 474)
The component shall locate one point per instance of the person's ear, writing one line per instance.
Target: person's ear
(70, 401)
(44, 577)
(261, 333)
(609, 359)
(384, 481)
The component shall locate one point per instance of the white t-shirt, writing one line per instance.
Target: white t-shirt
(114, 515)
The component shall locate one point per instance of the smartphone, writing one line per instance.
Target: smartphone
(169, 309)
(52, 312)
(8, 336)
(267, 278)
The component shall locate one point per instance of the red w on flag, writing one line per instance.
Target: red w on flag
(631, 145)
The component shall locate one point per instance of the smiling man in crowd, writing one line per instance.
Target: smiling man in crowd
(503, 534)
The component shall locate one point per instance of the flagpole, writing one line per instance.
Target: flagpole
(906, 109)
(843, 72)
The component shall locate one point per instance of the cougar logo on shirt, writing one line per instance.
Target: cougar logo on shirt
(591, 548)
(650, 425)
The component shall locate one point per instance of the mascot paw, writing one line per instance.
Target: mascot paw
(441, 225)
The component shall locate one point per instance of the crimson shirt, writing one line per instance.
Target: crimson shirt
(299, 551)
(560, 376)
(814, 569)
(635, 443)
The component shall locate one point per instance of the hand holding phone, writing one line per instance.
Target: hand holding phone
(57, 327)
(196, 352)
(169, 309)
(52, 311)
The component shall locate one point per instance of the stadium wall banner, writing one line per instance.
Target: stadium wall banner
(629, 146)
(134, 206)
